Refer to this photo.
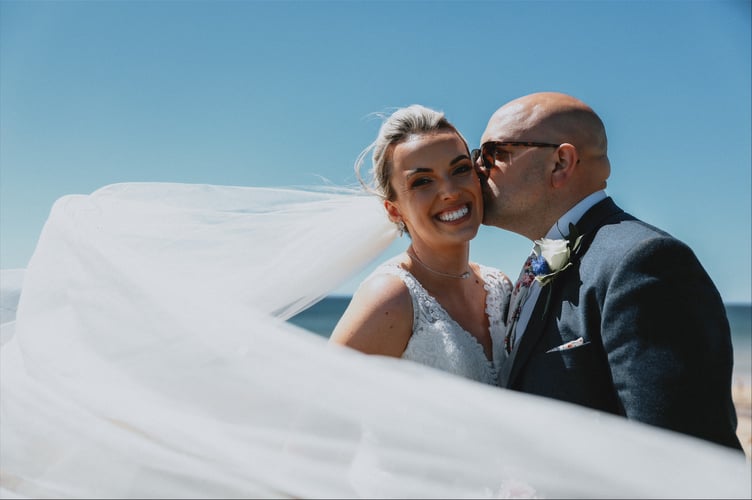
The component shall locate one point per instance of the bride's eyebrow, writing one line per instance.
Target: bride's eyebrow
(459, 159)
(421, 170)
(418, 170)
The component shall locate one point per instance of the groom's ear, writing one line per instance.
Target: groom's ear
(567, 159)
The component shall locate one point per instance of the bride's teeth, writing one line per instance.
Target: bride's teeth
(456, 214)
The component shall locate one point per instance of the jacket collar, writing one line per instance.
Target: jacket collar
(574, 214)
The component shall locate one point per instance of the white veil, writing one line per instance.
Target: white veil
(148, 358)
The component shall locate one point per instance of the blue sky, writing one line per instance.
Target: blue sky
(281, 93)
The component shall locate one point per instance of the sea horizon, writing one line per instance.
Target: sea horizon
(322, 317)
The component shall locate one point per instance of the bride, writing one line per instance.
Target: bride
(429, 304)
(149, 357)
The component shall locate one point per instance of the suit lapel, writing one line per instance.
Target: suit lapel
(587, 226)
(524, 347)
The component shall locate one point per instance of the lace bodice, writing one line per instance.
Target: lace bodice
(440, 342)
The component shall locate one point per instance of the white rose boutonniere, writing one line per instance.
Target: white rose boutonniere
(553, 256)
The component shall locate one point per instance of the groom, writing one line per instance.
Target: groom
(610, 313)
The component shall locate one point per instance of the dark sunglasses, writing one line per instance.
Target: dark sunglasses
(487, 151)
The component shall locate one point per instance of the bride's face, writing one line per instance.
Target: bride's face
(438, 193)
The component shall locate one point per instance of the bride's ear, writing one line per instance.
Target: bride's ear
(393, 211)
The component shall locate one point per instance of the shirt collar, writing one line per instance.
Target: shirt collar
(575, 214)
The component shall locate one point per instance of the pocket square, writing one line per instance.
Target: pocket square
(569, 345)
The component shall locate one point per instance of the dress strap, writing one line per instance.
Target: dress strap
(498, 287)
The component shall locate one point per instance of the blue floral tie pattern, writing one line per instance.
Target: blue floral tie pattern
(519, 295)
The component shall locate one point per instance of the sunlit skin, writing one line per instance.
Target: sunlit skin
(529, 188)
(517, 187)
(433, 175)
(438, 197)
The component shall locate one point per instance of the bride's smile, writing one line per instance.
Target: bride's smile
(437, 191)
(454, 215)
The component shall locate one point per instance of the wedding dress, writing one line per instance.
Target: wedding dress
(440, 342)
(149, 357)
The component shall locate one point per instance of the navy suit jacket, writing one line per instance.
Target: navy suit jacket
(657, 343)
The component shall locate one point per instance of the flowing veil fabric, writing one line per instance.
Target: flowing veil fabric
(149, 358)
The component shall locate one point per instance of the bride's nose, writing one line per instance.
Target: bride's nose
(450, 189)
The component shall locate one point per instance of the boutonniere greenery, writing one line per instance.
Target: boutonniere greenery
(554, 256)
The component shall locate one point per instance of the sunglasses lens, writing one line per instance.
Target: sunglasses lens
(488, 153)
(485, 154)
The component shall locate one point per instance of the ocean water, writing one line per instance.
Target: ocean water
(323, 316)
(740, 320)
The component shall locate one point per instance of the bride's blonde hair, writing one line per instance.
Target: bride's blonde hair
(396, 128)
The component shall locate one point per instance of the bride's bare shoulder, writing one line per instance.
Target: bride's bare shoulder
(379, 318)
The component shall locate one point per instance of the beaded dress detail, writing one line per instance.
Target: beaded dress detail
(440, 342)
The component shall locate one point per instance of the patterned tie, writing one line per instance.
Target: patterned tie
(519, 295)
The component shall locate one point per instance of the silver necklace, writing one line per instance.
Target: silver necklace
(462, 276)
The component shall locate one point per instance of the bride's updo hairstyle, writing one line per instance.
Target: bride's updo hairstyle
(397, 128)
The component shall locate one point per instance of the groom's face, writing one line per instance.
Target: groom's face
(515, 190)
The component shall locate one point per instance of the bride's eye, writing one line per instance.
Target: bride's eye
(463, 169)
(421, 181)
